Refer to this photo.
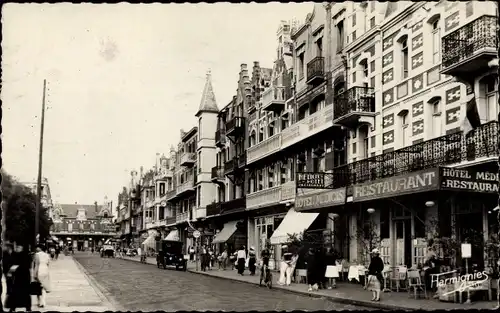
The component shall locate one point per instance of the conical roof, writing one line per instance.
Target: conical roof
(208, 102)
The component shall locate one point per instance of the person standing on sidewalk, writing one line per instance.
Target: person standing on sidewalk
(41, 273)
(375, 275)
(241, 257)
(252, 261)
(58, 250)
(19, 272)
(331, 269)
(312, 269)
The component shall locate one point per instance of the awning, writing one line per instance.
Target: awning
(226, 232)
(173, 235)
(293, 223)
(150, 242)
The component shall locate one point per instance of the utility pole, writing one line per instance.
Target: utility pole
(39, 181)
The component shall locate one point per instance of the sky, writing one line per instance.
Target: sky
(122, 80)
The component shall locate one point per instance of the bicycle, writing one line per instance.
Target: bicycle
(266, 276)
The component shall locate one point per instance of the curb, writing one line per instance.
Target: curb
(366, 304)
(99, 289)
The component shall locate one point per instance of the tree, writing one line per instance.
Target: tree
(368, 238)
(19, 208)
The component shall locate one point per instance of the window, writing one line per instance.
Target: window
(319, 47)
(199, 162)
(340, 36)
(301, 65)
(354, 20)
(70, 227)
(436, 43)
(270, 176)
(372, 82)
(353, 77)
(436, 117)
(404, 58)
(491, 97)
(372, 22)
(261, 134)
(353, 35)
(365, 68)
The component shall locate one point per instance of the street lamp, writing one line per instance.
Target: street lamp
(370, 210)
(429, 204)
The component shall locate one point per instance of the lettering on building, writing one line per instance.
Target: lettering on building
(319, 200)
(388, 187)
(469, 180)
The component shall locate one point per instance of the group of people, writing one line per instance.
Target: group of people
(25, 275)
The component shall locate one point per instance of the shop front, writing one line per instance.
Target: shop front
(231, 236)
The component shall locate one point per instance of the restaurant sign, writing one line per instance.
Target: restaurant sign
(320, 200)
(468, 180)
(399, 185)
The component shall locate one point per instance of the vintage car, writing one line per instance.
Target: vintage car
(171, 255)
(108, 251)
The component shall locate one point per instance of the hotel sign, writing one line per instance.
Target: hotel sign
(400, 185)
(468, 180)
(320, 200)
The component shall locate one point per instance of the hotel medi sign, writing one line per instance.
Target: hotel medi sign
(468, 180)
(320, 200)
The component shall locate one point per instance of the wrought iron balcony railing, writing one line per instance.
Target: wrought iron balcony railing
(355, 99)
(449, 149)
(229, 166)
(235, 124)
(470, 39)
(220, 137)
(233, 205)
(316, 69)
(217, 172)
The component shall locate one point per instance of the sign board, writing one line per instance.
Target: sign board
(320, 200)
(468, 180)
(466, 250)
(399, 185)
(196, 234)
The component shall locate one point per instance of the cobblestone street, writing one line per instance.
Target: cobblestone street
(137, 286)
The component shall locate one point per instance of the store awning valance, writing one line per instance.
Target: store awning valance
(173, 235)
(227, 231)
(293, 223)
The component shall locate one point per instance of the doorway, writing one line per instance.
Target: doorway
(402, 230)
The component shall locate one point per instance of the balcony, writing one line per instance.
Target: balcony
(171, 194)
(233, 206)
(309, 126)
(229, 166)
(182, 217)
(316, 71)
(264, 197)
(171, 220)
(264, 148)
(478, 146)
(273, 99)
(355, 106)
(188, 159)
(467, 51)
(235, 126)
(220, 138)
(186, 187)
(242, 160)
(217, 173)
(214, 209)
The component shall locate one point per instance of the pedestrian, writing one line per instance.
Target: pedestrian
(241, 258)
(19, 272)
(58, 250)
(331, 272)
(375, 277)
(191, 254)
(41, 274)
(321, 270)
(223, 258)
(312, 269)
(210, 258)
(287, 266)
(7, 260)
(252, 261)
(52, 251)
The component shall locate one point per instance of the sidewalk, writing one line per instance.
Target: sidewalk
(354, 294)
(72, 290)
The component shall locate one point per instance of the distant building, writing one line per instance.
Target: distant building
(46, 195)
(83, 226)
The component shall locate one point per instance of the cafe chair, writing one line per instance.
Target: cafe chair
(415, 284)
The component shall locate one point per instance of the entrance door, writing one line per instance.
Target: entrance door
(402, 229)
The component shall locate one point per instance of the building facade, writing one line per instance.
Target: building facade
(83, 226)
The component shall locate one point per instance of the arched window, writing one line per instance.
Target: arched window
(433, 25)
(253, 138)
(403, 115)
(435, 108)
(105, 214)
(403, 45)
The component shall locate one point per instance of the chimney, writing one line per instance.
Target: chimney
(243, 66)
(96, 209)
(142, 172)
(256, 64)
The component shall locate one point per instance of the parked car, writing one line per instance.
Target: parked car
(171, 255)
(108, 251)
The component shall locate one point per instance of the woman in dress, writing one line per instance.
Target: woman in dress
(41, 273)
(241, 258)
(252, 261)
(19, 272)
(331, 268)
(375, 275)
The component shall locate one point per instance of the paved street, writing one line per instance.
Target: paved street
(136, 286)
